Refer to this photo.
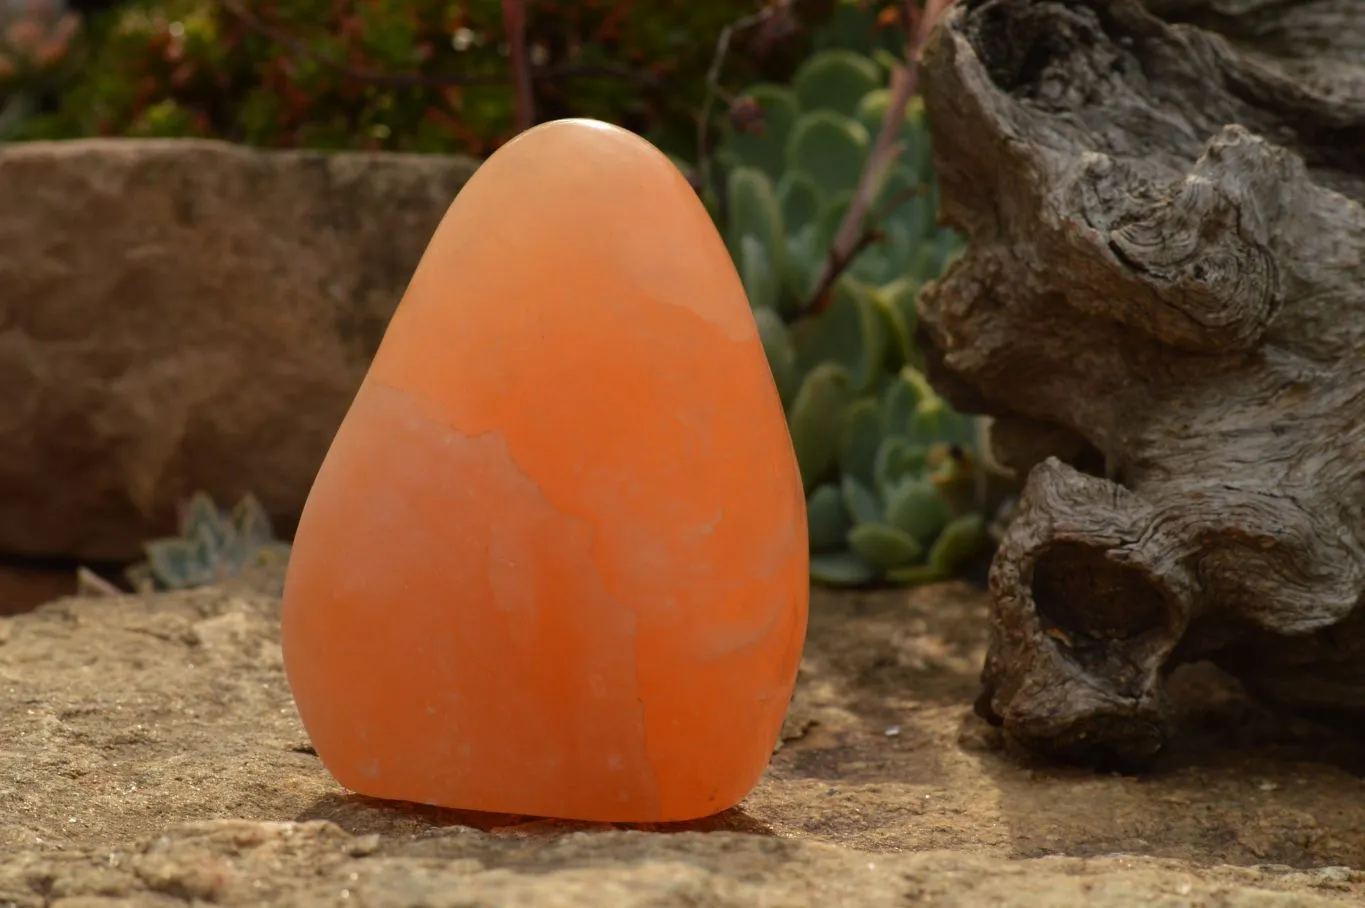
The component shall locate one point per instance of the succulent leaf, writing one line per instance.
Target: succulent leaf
(777, 346)
(884, 259)
(827, 519)
(916, 507)
(871, 109)
(831, 217)
(861, 439)
(755, 266)
(924, 392)
(756, 217)
(960, 541)
(213, 545)
(817, 418)
(884, 546)
(899, 319)
(841, 569)
(798, 198)
(898, 404)
(917, 575)
(176, 564)
(861, 502)
(835, 80)
(829, 148)
(849, 332)
(899, 458)
(251, 522)
(805, 260)
(200, 517)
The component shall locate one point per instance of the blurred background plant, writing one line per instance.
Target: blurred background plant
(400, 75)
(36, 38)
(824, 188)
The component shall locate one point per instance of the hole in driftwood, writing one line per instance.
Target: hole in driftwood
(1077, 589)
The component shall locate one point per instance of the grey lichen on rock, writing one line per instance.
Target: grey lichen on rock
(1162, 302)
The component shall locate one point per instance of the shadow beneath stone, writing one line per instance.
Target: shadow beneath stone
(361, 815)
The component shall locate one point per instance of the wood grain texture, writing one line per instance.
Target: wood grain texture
(1163, 305)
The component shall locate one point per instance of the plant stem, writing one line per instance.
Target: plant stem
(514, 24)
(885, 150)
(714, 90)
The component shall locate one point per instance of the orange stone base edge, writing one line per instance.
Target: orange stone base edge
(555, 561)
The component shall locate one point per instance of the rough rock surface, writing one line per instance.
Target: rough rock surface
(171, 310)
(152, 756)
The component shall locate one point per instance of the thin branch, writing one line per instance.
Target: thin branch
(514, 24)
(418, 80)
(885, 150)
(714, 89)
(840, 260)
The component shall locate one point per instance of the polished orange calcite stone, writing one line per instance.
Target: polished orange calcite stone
(555, 560)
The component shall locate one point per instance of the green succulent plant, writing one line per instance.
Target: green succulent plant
(213, 545)
(896, 490)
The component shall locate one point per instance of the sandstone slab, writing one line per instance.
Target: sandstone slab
(177, 315)
(152, 756)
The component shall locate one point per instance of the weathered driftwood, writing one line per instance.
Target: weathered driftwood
(1163, 304)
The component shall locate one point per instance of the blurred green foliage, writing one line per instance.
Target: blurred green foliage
(257, 72)
(36, 38)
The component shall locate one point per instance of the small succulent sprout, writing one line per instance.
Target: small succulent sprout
(213, 546)
(836, 80)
